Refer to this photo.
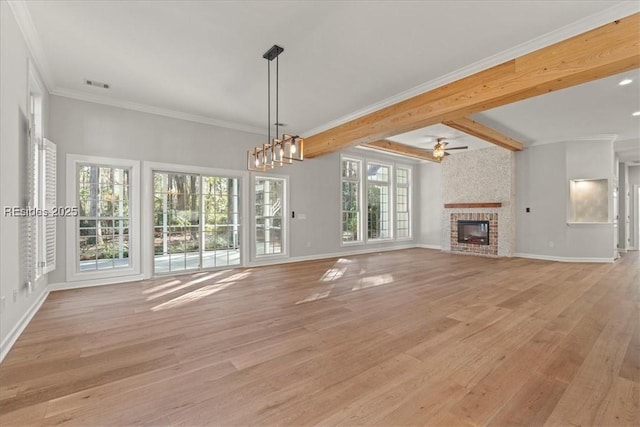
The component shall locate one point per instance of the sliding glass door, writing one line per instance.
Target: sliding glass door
(221, 221)
(196, 222)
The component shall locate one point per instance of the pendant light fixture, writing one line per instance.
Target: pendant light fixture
(277, 151)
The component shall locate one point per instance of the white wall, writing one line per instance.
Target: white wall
(430, 204)
(80, 127)
(14, 90)
(634, 183)
(542, 184)
(624, 192)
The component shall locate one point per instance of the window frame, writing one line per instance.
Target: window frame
(409, 187)
(73, 273)
(364, 192)
(391, 186)
(148, 169)
(285, 218)
(361, 233)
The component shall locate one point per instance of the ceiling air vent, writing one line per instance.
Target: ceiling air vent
(96, 84)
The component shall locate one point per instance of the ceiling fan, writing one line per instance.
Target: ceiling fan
(439, 150)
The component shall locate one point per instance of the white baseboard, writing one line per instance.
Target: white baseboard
(436, 247)
(62, 286)
(17, 330)
(562, 259)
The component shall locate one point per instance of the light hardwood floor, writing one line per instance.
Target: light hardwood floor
(400, 338)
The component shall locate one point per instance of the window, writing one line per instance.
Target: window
(104, 217)
(196, 222)
(351, 200)
(387, 198)
(378, 201)
(104, 238)
(403, 203)
(269, 221)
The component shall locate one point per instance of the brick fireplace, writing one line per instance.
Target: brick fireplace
(473, 248)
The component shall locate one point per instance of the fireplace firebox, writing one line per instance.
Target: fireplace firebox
(473, 232)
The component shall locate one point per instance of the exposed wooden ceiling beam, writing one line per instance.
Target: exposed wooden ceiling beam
(471, 127)
(405, 150)
(611, 49)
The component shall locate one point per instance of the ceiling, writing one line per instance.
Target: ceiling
(426, 138)
(202, 60)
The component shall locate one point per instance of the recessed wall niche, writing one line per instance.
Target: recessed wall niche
(589, 200)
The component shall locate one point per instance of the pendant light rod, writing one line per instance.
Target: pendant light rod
(277, 151)
(269, 102)
(270, 55)
(277, 99)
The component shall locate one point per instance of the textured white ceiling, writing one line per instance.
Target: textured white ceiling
(204, 58)
(426, 138)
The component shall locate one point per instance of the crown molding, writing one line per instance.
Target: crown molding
(607, 137)
(617, 11)
(21, 13)
(128, 105)
(32, 39)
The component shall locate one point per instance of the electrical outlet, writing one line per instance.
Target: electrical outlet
(15, 295)
(551, 244)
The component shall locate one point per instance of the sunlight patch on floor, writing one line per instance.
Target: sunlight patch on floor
(333, 274)
(337, 270)
(371, 281)
(202, 292)
(192, 296)
(318, 295)
(164, 292)
(162, 286)
(198, 294)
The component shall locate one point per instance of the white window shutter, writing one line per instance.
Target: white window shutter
(49, 246)
(30, 222)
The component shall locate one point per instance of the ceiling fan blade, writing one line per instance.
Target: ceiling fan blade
(457, 148)
(446, 154)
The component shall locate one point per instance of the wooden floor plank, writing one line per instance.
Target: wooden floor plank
(533, 403)
(622, 407)
(584, 401)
